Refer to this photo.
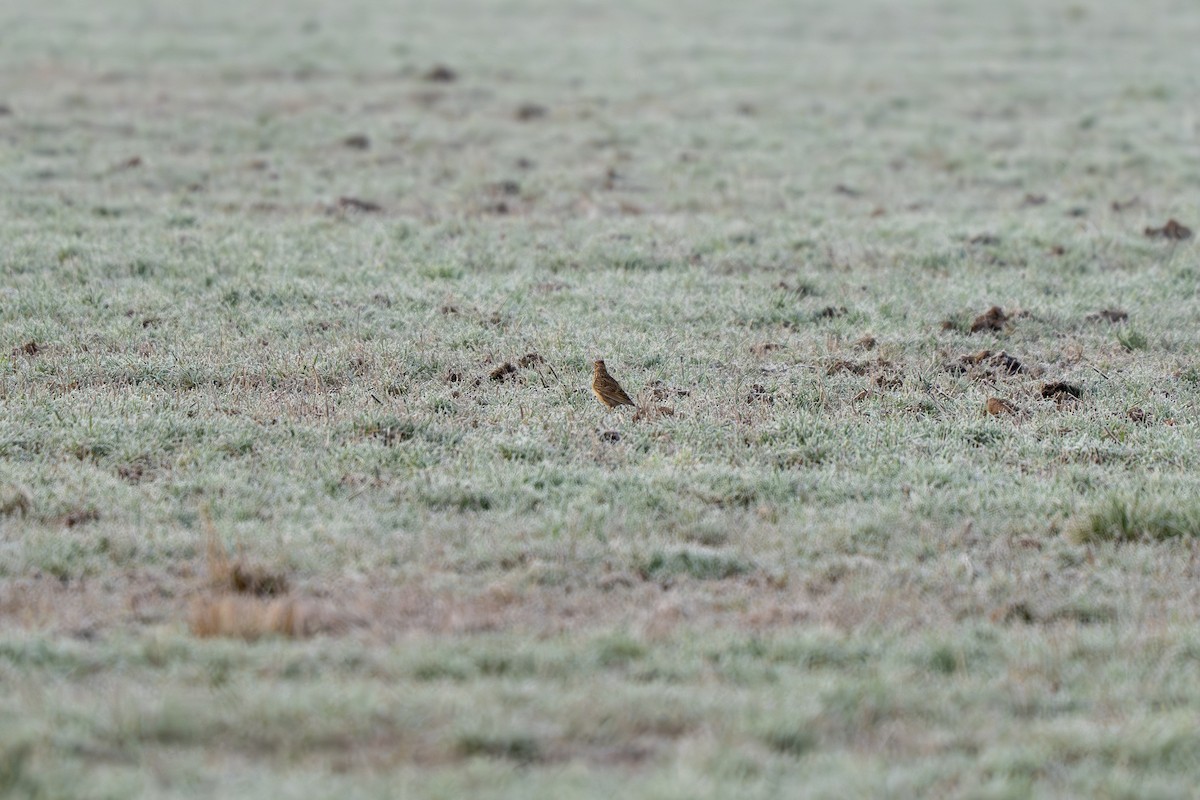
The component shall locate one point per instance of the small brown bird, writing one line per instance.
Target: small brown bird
(606, 388)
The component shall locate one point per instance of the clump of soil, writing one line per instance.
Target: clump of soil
(1108, 315)
(527, 112)
(986, 365)
(1172, 230)
(361, 206)
(502, 372)
(659, 391)
(759, 394)
(226, 574)
(530, 360)
(440, 73)
(763, 348)
(832, 312)
(649, 413)
(991, 320)
(1060, 391)
(997, 407)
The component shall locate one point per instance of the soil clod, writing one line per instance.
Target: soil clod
(1061, 392)
(440, 73)
(526, 112)
(998, 406)
(1172, 230)
(355, 204)
(1108, 315)
(502, 372)
(991, 320)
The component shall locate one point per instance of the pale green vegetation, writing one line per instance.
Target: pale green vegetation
(264, 265)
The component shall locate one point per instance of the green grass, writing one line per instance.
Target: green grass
(827, 573)
(1118, 520)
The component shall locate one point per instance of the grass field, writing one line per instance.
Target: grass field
(302, 299)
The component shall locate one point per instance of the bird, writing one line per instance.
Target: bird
(606, 388)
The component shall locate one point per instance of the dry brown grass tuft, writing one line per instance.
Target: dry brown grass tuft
(244, 600)
(15, 500)
(226, 574)
(250, 618)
